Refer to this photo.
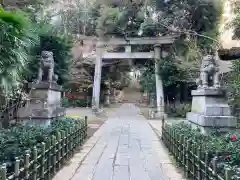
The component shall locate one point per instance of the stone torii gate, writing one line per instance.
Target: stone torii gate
(101, 54)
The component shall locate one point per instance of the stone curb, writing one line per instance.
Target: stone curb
(169, 170)
(70, 169)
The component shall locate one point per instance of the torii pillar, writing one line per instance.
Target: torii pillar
(97, 79)
(159, 83)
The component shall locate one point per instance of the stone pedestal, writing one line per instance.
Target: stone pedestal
(44, 104)
(154, 114)
(113, 96)
(107, 97)
(152, 102)
(210, 111)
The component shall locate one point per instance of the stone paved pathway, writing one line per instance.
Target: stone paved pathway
(125, 148)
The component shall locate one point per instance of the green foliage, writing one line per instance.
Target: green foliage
(107, 22)
(59, 44)
(80, 19)
(236, 20)
(21, 4)
(130, 18)
(170, 73)
(17, 36)
(16, 140)
(120, 19)
(196, 15)
(179, 110)
(223, 146)
(147, 80)
(79, 103)
(234, 88)
(74, 102)
(65, 102)
(22, 41)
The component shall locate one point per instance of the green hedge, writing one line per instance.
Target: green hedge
(16, 140)
(224, 147)
(74, 103)
(179, 110)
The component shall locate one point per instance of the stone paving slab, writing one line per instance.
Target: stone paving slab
(167, 165)
(124, 148)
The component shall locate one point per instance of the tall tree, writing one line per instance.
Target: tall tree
(17, 37)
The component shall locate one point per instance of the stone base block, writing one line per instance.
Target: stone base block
(153, 114)
(48, 113)
(217, 110)
(37, 122)
(45, 85)
(211, 92)
(43, 117)
(209, 130)
(97, 111)
(211, 123)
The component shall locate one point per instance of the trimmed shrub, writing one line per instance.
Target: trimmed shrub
(15, 141)
(223, 147)
(179, 111)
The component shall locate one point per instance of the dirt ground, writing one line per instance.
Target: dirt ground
(94, 121)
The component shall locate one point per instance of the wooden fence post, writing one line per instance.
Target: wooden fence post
(163, 129)
(170, 140)
(168, 135)
(26, 164)
(199, 158)
(177, 145)
(206, 166)
(35, 163)
(214, 164)
(54, 154)
(165, 137)
(78, 135)
(181, 148)
(188, 159)
(86, 127)
(193, 149)
(43, 149)
(227, 174)
(58, 150)
(83, 132)
(49, 158)
(184, 154)
(174, 143)
(62, 146)
(70, 142)
(67, 143)
(16, 168)
(3, 172)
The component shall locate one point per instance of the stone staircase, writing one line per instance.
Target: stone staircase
(131, 95)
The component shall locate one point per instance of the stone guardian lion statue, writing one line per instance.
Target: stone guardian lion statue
(209, 71)
(46, 68)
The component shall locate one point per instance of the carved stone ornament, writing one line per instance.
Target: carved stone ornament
(209, 72)
(46, 68)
